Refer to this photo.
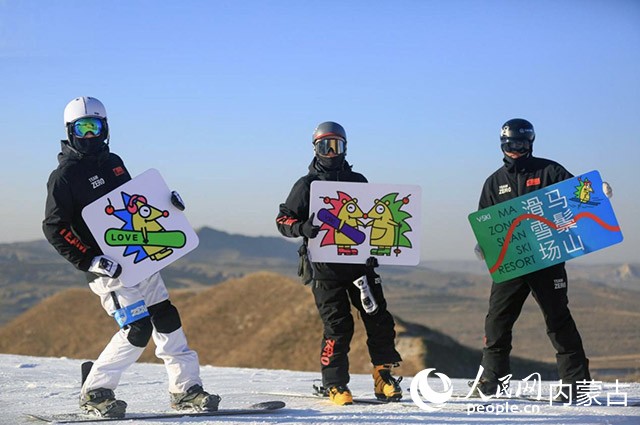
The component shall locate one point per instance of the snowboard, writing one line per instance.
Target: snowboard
(168, 239)
(356, 400)
(317, 393)
(70, 418)
(360, 400)
(352, 233)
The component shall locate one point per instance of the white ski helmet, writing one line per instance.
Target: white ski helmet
(84, 106)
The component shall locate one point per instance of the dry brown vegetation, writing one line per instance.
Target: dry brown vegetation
(267, 320)
(262, 320)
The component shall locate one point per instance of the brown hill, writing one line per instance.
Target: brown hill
(262, 320)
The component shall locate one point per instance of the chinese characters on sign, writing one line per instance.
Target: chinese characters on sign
(546, 227)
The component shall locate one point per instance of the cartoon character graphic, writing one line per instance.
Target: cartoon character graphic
(144, 218)
(341, 222)
(584, 190)
(388, 225)
(142, 234)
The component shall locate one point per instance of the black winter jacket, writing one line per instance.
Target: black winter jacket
(519, 177)
(77, 182)
(295, 211)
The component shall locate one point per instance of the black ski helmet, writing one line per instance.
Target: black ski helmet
(517, 128)
(517, 136)
(328, 128)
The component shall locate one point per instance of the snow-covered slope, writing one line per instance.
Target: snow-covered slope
(51, 385)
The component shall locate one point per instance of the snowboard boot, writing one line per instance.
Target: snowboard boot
(340, 395)
(386, 387)
(102, 402)
(195, 398)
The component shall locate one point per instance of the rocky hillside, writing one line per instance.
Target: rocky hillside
(263, 320)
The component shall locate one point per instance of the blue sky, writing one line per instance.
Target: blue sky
(222, 98)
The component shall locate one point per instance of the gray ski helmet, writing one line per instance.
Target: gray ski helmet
(517, 128)
(328, 128)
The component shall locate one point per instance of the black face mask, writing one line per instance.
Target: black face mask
(331, 164)
(89, 146)
(518, 163)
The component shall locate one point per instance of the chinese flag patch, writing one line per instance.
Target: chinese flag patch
(533, 182)
(118, 171)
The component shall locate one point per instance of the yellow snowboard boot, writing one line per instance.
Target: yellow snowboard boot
(386, 387)
(340, 395)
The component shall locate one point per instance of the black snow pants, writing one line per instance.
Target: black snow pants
(334, 299)
(549, 289)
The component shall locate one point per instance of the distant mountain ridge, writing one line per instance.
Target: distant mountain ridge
(449, 297)
(213, 244)
(39, 250)
(219, 244)
(31, 271)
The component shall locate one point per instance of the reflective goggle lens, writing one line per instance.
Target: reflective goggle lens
(516, 145)
(84, 126)
(323, 146)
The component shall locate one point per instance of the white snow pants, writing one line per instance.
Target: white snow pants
(181, 363)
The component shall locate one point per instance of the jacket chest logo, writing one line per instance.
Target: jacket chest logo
(504, 188)
(533, 182)
(96, 181)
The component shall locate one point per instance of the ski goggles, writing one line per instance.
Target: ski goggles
(325, 145)
(84, 126)
(516, 145)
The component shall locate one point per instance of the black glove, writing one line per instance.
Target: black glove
(372, 262)
(105, 266)
(372, 276)
(309, 229)
(177, 201)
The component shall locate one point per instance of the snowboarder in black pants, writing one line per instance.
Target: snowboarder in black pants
(523, 173)
(87, 170)
(332, 283)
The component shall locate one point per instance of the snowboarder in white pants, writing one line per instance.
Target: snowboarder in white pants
(162, 325)
(87, 170)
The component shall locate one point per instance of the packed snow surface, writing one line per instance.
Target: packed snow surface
(51, 385)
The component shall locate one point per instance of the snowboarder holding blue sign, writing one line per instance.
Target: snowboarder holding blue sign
(87, 170)
(523, 173)
(334, 285)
